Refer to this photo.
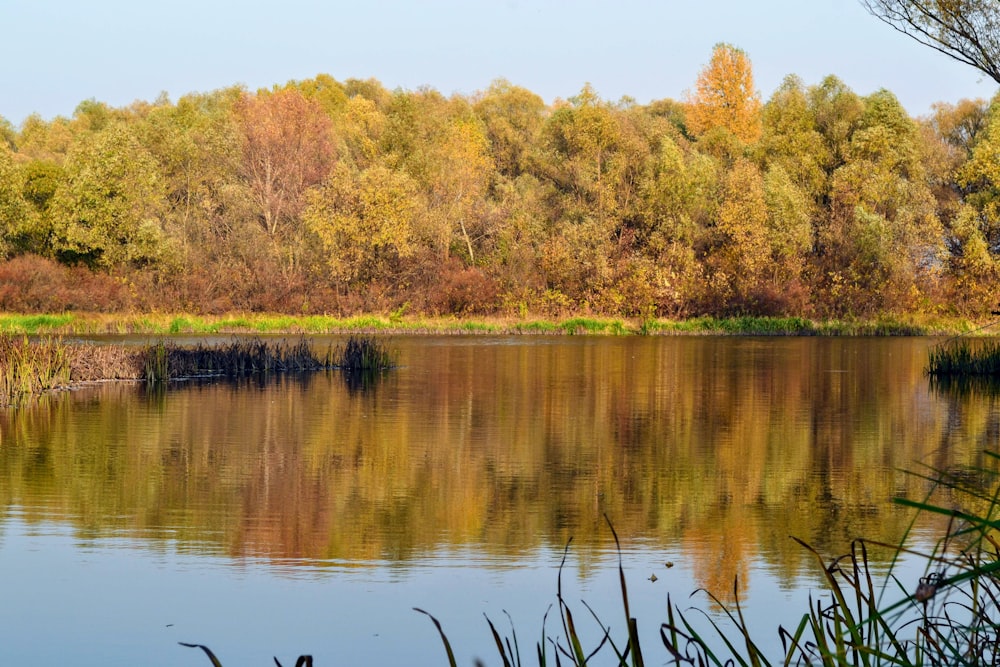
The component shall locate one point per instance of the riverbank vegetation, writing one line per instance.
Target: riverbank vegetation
(29, 368)
(815, 202)
(266, 323)
(963, 358)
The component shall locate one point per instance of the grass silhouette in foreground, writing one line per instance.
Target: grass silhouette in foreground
(948, 616)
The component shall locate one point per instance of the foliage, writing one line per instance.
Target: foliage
(725, 96)
(341, 197)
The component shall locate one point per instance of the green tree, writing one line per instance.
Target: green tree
(108, 212)
(41, 140)
(16, 214)
(741, 253)
(882, 242)
(791, 138)
(974, 239)
(513, 117)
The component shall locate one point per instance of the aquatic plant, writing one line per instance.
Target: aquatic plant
(960, 358)
(28, 368)
(948, 617)
(303, 660)
(363, 353)
(31, 367)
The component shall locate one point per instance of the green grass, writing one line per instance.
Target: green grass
(33, 324)
(397, 322)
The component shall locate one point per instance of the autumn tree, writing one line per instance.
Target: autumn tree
(725, 97)
(882, 239)
(107, 213)
(512, 117)
(286, 149)
(974, 235)
(966, 30)
(742, 253)
(459, 186)
(15, 212)
(364, 220)
(836, 111)
(791, 138)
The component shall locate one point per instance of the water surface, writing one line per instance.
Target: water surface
(310, 514)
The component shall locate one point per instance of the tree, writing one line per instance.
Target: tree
(15, 212)
(287, 148)
(459, 184)
(513, 117)
(791, 138)
(966, 30)
(106, 213)
(725, 96)
(363, 220)
(882, 241)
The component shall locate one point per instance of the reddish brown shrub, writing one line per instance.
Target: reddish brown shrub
(33, 284)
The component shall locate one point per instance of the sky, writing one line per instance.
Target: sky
(56, 53)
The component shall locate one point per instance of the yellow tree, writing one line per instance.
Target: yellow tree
(364, 221)
(460, 176)
(743, 253)
(725, 97)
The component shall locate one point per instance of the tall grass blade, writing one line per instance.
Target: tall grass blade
(208, 652)
(444, 638)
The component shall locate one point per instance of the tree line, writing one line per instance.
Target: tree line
(342, 196)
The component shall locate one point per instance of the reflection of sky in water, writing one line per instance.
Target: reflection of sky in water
(122, 601)
(297, 516)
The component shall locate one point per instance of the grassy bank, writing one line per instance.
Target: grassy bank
(167, 324)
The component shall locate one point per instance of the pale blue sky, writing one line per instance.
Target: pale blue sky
(56, 53)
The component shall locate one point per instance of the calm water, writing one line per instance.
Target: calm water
(310, 515)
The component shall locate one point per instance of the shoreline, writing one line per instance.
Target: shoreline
(163, 324)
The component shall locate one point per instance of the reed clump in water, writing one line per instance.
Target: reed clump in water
(28, 368)
(164, 361)
(961, 358)
(363, 353)
(32, 367)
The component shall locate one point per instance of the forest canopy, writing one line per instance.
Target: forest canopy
(326, 196)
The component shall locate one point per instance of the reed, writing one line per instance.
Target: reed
(29, 368)
(164, 361)
(961, 358)
(363, 353)
(949, 616)
(32, 367)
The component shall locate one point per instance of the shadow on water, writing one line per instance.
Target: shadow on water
(362, 381)
(256, 381)
(969, 386)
